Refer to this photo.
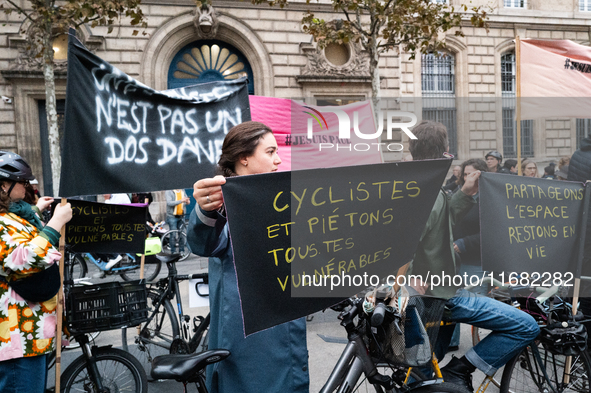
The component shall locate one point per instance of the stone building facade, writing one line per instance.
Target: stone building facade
(470, 88)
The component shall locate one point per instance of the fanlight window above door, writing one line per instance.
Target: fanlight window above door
(206, 61)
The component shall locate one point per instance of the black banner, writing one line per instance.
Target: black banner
(122, 136)
(342, 228)
(530, 225)
(104, 228)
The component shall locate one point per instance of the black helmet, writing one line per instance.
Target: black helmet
(13, 167)
(494, 154)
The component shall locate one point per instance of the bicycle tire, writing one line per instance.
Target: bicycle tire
(119, 371)
(77, 266)
(522, 375)
(152, 267)
(181, 247)
(156, 338)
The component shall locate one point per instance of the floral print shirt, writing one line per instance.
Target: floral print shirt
(26, 328)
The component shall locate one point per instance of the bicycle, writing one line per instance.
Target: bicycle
(128, 268)
(166, 331)
(375, 342)
(175, 242)
(544, 365)
(99, 369)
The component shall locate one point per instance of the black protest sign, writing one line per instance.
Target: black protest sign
(122, 136)
(103, 228)
(342, 228)
(530, 225)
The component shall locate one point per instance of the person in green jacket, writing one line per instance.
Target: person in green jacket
(511, 328)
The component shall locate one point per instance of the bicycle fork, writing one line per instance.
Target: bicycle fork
(353, 362)
(91, 367)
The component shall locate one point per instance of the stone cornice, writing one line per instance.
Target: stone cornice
(30, 74)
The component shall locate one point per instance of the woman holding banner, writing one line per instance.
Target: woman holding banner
(29, 280)
(274, 360)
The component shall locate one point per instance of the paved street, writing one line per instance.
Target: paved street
(322, 355)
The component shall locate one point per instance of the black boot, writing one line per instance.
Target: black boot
(457, 372)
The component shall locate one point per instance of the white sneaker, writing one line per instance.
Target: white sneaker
(113, 262)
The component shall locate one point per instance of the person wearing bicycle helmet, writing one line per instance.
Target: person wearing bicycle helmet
(27, 265)
(493, 162)
(273, 360)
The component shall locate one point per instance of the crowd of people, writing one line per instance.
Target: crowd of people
(449, 242)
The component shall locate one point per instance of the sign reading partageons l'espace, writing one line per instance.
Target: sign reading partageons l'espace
(530, 225)
(295, 234)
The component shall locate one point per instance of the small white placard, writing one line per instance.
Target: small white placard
(200, 299)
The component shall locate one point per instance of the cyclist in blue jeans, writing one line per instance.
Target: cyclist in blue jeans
(511, 328)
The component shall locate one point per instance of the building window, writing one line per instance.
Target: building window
(438, 92)
(515, 3)
(208, 61)
(583, 130)
(509, 124)
(584, 5)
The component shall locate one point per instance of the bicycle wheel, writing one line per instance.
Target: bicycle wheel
(152, 266)
(175, 242)
(77, 266)
(119, 371)
(156, 337)
(524, 374)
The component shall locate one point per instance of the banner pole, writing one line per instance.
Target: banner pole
(518, 101)
(59, 309)
(142, 264)
(579, 267)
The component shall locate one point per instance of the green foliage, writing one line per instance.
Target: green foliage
(384, 25)
(51, 18)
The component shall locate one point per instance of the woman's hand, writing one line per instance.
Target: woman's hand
(61, 215)
(44, 202)
(208, 193)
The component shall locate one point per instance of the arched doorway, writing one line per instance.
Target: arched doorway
(207, 61)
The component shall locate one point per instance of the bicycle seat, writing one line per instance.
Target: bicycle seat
(184, 367)
(169, 258)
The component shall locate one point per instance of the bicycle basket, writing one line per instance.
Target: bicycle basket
(564, 338)
(420, 323)
(106, 306)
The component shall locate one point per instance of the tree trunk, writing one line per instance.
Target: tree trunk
(50, 107)
(374, 71)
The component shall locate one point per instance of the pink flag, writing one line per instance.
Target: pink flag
(555, 79)
(320, 137)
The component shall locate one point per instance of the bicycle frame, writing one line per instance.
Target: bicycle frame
(353, 362)
(170, 289)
